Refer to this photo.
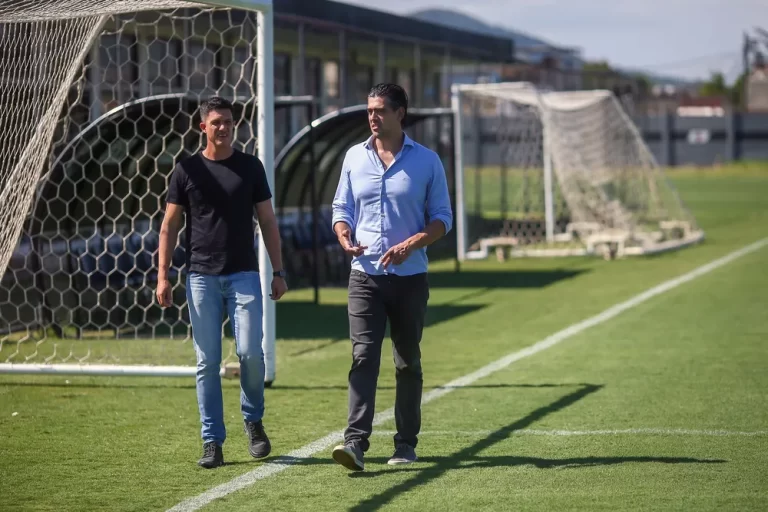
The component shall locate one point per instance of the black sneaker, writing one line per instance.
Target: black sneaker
(404, 454)
(213, 456)
(258, 442)
(350, 456)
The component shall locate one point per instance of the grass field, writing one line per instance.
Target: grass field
(662, 407)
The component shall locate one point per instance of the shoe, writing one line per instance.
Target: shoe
(258, 442)
(213, 456)
(350, 456)
(404, 454)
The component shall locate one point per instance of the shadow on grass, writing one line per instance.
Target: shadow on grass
(509, 461)
(306, 320)
(504, 279)
(469, 458)
(309, 321)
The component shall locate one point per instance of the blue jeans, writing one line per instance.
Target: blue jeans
(207, 297)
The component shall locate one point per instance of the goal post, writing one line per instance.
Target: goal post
(559, 173)
(104, 95)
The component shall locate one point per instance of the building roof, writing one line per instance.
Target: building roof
(337, 15)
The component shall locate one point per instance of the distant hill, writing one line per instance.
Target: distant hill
(522, 40)
(463, 21)
(656, 78)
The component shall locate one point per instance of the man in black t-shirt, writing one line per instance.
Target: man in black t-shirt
(217, 189)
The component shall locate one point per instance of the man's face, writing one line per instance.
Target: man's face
(383, 120)
(218, 127)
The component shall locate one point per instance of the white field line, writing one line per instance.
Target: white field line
(559, 433)
(279, 464)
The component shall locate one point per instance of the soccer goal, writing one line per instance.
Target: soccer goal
(544, 173)
(101, 100)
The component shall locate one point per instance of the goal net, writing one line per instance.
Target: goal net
(545, 173)
(101, 100)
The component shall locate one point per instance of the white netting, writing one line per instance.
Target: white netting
(607, 192)
(101, 100)
(63, 10)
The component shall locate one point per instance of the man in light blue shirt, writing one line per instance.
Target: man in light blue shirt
(391, 202)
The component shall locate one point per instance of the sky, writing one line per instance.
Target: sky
(683, 38)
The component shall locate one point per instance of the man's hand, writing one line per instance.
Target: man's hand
(279, 287)
(345, 239)
(400, 252)
(397, 254)
(164, 293)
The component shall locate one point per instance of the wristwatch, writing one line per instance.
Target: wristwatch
(279, 273)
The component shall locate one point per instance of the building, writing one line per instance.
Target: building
(330, 50)
(757, 90)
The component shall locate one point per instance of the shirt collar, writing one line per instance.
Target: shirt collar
(407, 141)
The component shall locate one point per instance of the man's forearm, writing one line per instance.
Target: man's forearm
(340, 227)
(272, 242)
(431, 233)
(168, 235)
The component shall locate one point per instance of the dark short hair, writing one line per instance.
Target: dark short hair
(214, 103)
(394, 95)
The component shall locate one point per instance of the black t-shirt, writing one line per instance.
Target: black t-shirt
(218, 198)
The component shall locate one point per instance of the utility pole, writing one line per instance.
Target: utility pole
(759, 61)
(745, 47)
(764, 34)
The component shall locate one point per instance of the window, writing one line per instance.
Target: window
(392, 75)
(331, 78)
(363, 81)
(312, 79)
(405, 80)
(282, 74)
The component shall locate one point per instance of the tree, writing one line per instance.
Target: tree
(643, 82)
(598, 66)
(737, 90)
(715, 86)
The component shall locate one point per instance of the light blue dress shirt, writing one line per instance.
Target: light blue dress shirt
(385, 207)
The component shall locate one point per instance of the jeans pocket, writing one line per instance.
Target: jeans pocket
(355, 276)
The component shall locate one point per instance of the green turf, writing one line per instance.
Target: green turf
(693, 358)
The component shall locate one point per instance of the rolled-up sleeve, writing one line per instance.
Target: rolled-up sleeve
(343, 200)
(438, 198)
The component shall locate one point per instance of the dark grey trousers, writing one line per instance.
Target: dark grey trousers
(373, 300)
